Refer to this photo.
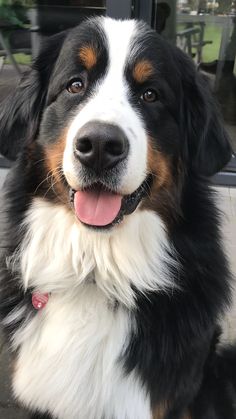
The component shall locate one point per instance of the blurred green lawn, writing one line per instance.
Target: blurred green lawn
(212, 33)
(21, 59)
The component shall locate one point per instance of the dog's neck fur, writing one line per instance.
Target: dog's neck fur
(58, 253)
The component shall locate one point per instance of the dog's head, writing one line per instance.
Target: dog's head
(119, 115)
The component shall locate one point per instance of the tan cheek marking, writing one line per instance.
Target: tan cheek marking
(159, 165)
(142, 70)
(54, 154)
(88, 56)
(54, 158)
(160, 411)
(160, 196)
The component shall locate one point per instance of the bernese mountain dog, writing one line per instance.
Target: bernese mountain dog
(113, 276)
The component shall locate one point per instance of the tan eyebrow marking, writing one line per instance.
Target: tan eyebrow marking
(142, 70)
(88, 56)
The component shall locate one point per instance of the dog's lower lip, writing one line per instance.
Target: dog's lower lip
(128, 204)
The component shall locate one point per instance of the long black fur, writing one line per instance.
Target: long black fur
(174, 349)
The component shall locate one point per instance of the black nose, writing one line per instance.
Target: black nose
(101, 146)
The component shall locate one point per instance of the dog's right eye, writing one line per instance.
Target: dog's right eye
(149, 96)
(75, 86)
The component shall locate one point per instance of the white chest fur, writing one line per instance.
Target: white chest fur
(70, 353)
(69, 360)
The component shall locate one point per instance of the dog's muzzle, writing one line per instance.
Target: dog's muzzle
(101, 151)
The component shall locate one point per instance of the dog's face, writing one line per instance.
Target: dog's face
(120, 117)
(104, 84)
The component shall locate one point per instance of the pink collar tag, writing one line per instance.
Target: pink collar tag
(39, 301)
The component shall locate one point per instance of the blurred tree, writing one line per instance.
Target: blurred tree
(12, 12)
(224, 6)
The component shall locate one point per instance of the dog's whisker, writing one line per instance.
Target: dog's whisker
(45, 159)
(46, 179)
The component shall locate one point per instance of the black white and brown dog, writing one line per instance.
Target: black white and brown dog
(113, 277)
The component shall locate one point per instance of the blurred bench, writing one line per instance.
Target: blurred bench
(13, 40)
(191, 40)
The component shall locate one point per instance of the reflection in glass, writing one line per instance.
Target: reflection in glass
(206, 30)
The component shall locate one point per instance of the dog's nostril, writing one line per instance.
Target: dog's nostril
(114, 147)
(84, 145)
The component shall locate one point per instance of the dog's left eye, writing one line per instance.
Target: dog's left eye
(75, 86)
(150, 95)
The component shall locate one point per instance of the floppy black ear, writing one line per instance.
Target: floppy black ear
(206, 142)
(21, 111)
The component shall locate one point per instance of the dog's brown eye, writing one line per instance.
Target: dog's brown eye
(149, 96)
(75, 86)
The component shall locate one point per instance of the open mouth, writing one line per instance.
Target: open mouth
(99, 208)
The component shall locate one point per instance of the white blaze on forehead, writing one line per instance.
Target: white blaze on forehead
(109, 102)
(119, 34)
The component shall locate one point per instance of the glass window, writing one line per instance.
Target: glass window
(23, 23)
(206, 30)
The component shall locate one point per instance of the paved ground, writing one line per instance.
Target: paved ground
(8, 407)
(227, 203)
(8, 79)
(3, 173)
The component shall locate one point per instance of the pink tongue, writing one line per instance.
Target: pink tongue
(97, 208)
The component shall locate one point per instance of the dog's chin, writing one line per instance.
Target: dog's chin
(100, 208)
